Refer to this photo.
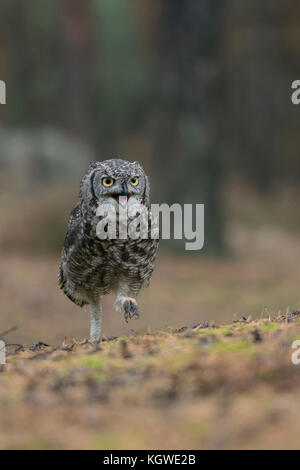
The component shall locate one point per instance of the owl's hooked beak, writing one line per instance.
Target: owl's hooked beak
(124, 190)
(123, 196)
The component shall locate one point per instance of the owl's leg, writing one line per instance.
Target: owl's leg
(95, 322)
(125, 303)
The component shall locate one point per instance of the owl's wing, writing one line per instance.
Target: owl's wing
(73, 228)
(72, 234)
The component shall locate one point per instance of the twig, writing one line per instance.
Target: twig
(18, 346)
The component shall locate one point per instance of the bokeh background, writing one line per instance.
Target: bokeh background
(200, 92)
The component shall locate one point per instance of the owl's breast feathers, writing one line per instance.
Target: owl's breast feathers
(91, 267)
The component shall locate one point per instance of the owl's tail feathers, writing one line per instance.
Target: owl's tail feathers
(61, 279)
(78, 302)
(63, 287)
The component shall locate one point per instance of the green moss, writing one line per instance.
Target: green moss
(92, 361)
(195, 428)
(100, 377)
(241, 327)
(35, 443)
(215, 331)
(106, 440)
(58, 359)
(225, 331)
(179, 361)
(231, 346)
(12, 357)
(208, 331)
(142, 333)
(84, 341)
(269, 327)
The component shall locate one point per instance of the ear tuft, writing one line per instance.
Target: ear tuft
(138, 163)
(92, 165)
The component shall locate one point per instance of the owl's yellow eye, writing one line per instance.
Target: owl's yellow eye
(107, 181)
(134, 181)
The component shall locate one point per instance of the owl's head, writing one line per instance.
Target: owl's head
(106, 181)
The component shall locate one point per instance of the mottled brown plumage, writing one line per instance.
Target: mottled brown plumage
(92, 267)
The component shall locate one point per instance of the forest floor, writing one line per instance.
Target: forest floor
(204, 387)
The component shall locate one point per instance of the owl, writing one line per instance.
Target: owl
(91, 266)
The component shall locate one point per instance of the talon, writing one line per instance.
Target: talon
(130, 311)
(127, 308)
(136, 312)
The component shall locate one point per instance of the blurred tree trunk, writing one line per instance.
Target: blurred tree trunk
(189, 119)
(76, 29)
(257, 73)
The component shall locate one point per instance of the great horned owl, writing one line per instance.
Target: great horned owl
(92, 267)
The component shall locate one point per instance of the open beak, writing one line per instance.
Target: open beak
(122, 201)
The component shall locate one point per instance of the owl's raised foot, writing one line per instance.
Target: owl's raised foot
(130, 310)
